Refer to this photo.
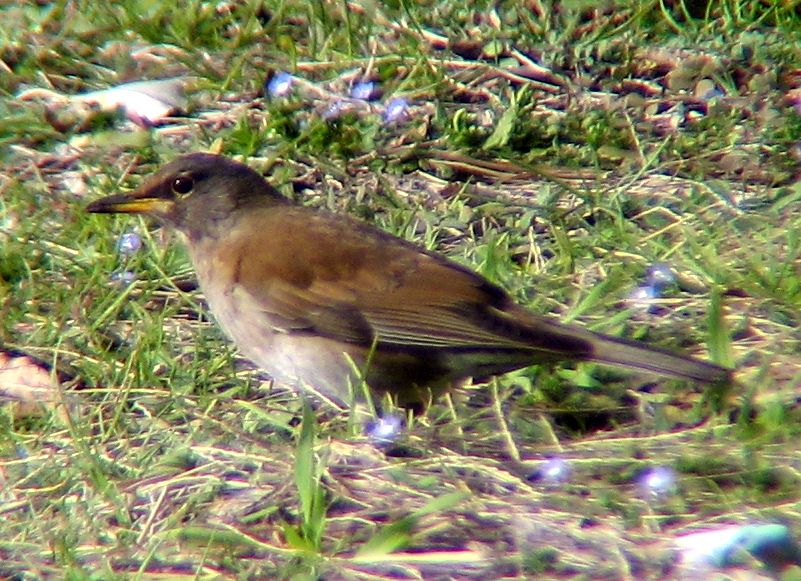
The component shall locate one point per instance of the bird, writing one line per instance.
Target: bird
(325, 302)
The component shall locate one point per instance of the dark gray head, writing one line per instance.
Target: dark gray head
(195, 193)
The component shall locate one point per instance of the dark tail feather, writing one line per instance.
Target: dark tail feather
(620, 352)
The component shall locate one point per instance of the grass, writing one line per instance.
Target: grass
(558, 150)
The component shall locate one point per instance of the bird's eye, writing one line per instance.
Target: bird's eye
(183, 185)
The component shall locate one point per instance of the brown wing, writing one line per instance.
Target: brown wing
(352, 282)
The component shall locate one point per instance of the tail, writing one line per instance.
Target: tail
(562, 341)
(621, 352)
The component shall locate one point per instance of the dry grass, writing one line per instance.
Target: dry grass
(169, 457)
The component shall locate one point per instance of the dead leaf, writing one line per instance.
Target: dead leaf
(28, 384)
(146, 103)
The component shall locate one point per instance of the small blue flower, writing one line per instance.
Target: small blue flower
(129, 244)
(643, 297)
(365, 91)
(659, 275)
(396, 110)
(553, 471)
(658, 482)
(385, 429)
(280, 85)
(122, 278)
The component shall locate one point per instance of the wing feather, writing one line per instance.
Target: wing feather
(358, 283)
